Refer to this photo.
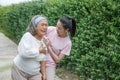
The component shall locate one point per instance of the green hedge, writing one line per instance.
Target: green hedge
(95, 53)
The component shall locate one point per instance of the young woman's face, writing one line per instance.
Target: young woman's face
(42, 27)
(60, 29)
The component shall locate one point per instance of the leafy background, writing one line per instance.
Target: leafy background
(95, 53)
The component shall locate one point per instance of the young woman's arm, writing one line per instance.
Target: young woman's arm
(57, 58)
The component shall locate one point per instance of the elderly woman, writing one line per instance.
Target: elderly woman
(31, 52)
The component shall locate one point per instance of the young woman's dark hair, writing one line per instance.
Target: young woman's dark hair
(69, 23)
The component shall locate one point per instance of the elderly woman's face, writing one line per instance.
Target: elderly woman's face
(42, 27)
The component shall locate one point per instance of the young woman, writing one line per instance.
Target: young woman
(31, 52)
(58, 43)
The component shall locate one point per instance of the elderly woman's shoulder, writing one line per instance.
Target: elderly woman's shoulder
(27, 34)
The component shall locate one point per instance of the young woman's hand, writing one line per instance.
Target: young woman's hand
(47, 41)
(42, 49)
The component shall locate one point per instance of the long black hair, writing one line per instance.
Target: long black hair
(69, 23)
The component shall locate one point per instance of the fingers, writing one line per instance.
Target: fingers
(47, 41)
(42, 49)
(45, 38)
(41, 45)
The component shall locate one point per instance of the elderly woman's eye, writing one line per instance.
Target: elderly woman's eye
(42, 24)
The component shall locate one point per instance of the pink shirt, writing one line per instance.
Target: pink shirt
(60, 45)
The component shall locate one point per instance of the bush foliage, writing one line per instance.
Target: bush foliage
(95, 53)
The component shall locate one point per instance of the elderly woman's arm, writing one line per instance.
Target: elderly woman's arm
(43, 70)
